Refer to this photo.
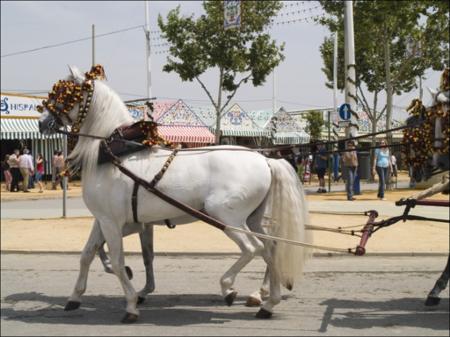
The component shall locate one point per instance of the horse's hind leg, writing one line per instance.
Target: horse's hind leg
(256, 298)
(87, 255)
(254, 222)
(248, 252)
(148, 254)
(441, 284)
(113, 236)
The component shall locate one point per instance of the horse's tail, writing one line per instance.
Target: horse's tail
(287, 214)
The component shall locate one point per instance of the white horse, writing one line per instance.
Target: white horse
(232, 184)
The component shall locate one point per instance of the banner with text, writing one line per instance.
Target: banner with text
(19, 106)
(232, 14)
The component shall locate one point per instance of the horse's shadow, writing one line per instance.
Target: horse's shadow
(32, 307)
(401, 312)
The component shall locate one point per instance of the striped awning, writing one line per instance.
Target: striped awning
(244, 133)
(186, 134)
(22, 128)
(291, 138)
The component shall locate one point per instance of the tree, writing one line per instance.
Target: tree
(239, 55)
(395, 42)
(314, 124)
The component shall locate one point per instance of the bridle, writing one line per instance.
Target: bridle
(63, 97)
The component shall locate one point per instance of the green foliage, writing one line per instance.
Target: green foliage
(314, 124)
(404, 37)
(241, 55)
(417, 32)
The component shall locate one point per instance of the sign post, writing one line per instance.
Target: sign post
(344, 115)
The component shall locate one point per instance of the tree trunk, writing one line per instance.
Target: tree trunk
(218, 109)
(373, 121)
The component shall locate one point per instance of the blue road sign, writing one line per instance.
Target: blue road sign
(344, 111)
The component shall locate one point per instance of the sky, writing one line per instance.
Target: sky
(299, 80)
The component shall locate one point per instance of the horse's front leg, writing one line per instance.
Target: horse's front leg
(146, 237)
(441, 284)
(127, 230)
(94, 242)
(107, 263)
(113, 235)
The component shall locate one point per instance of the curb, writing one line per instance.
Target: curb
(220, 254)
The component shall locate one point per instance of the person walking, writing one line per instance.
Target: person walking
(26, 168)
(15, 171)
(394, 165)
(350, 161)
(59, 167)
(7, 173)
(381, 164)
(336, 160)
(321, 167)
(54, 175)
(40, 171)
(31, 178)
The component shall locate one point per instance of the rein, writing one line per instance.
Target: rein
(268, 149)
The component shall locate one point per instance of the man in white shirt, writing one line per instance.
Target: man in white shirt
(26, 168)
(14, 168)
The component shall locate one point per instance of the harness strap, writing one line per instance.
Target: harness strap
(160, 174)
(134, 201)
(155, 180)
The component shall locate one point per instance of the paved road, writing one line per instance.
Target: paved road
(339, 296)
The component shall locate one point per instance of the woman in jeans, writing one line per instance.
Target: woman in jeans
(381, 163)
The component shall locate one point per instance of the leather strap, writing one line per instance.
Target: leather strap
(156, 179)
(134, 201)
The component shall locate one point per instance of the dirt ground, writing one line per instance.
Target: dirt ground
(69, 235)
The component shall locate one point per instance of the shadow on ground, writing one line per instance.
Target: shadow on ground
(32, 307)
(403, 312)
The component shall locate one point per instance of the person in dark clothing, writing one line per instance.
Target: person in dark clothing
(321, 167)
(7, 173)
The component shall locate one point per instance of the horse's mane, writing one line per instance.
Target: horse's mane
(107, 112)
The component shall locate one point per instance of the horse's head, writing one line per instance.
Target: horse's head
(427, 144)
(69, 100)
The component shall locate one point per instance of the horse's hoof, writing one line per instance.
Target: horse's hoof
(129, 272)
(72, 305)
(432, 301)
(253, 302)
(229, 299)
(129, 318)
(140, 300)
(263, 313)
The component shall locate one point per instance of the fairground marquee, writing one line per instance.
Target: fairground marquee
(18, 106)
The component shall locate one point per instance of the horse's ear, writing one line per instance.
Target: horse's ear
(77, 75)
(433, 92)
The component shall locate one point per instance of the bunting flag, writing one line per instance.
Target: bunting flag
(231, 14)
